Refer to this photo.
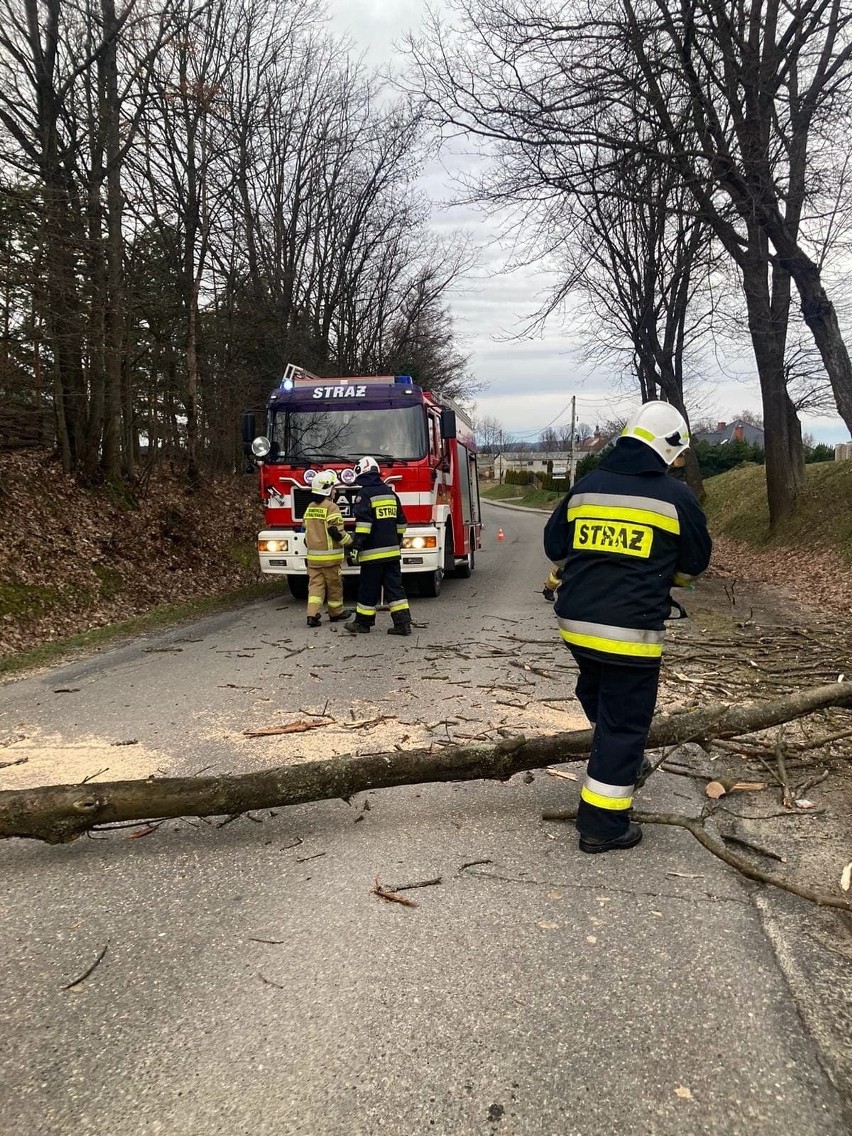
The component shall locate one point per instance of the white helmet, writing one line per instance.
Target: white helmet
(366, 465)
(324, 484)
(661, 427)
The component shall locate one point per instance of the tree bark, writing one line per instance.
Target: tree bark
(767, 317)
(60, 813)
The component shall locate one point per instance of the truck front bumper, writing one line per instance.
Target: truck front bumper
(286, 557)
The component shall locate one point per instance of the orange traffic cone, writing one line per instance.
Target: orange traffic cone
(501, 535)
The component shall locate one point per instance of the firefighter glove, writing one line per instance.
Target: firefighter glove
(352, 554)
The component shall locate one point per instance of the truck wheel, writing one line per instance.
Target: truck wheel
(429, 583)
(298, 586)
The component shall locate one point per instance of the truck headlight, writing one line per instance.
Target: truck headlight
(260, 447)
(419, 542)
(272, 546)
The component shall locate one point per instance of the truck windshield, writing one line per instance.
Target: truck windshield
(348, 433)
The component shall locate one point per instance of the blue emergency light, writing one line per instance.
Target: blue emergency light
(286, 385)
(404, 380)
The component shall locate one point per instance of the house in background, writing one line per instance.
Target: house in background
(736, 431)
(537, 461)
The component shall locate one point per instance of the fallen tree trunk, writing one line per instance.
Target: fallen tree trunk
(61, 813)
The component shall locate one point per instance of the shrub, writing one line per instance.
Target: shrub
(819, 453)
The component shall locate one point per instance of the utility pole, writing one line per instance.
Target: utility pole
(571, 447)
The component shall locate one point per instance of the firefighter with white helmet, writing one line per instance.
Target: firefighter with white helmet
(380, 524)
(325, 540)
(628, 533)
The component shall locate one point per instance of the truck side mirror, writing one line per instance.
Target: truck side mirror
(448, 424)
(247, 430)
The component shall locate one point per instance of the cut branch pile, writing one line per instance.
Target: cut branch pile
(60, 813)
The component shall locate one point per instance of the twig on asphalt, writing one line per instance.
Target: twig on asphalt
(91, 775)
(417, 884)
(269, 982)
(86, 973)
(786, 791)
(743, 843)
(384, 893)
(271, 942)
(695, 825)
(18, 761)
(803, 788)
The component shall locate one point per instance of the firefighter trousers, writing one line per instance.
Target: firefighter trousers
(619, 701)
(325, 583)
(376, 576)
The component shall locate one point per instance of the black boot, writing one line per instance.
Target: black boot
(628, 839)
(645, 771)
(400, 629)
(345, 614)
(356, 628)
(314, 620)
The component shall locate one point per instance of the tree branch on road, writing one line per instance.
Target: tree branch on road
(58, 814)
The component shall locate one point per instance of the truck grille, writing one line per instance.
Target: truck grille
(302, 498)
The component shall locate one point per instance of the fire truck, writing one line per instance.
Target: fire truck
(426, 451)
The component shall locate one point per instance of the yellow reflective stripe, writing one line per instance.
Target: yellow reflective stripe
(324, 557)
(602, 802)
(314, 599)
(364, 527)
(620, 513)
(638, 432)
(383, 500)
(612, 646)
(334, 603)
(398, 605)
(389, 554)
(362, 610)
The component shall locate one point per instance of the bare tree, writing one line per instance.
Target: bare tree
(730, 98)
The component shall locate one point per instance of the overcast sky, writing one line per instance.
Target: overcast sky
(530, 382)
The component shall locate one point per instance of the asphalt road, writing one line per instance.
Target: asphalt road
(253, 984)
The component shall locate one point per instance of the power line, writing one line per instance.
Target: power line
(529, 433)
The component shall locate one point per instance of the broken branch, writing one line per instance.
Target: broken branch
(695, 825)
(60, 813)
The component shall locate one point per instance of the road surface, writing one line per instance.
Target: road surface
(253, 984)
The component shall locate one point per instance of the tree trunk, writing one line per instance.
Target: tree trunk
(114, 309)
(60, 813)
(820, 316)
(767, 318)
(193, 472)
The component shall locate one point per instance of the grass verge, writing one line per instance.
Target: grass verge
(736, 507)
(521, 495)
(165, 615)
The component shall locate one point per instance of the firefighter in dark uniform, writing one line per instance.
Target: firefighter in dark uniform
(380, 525)
(628, 533)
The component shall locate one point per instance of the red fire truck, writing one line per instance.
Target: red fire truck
(423, 443)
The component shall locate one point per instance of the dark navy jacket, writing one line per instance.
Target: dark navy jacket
(379, 520)
(626, 531)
